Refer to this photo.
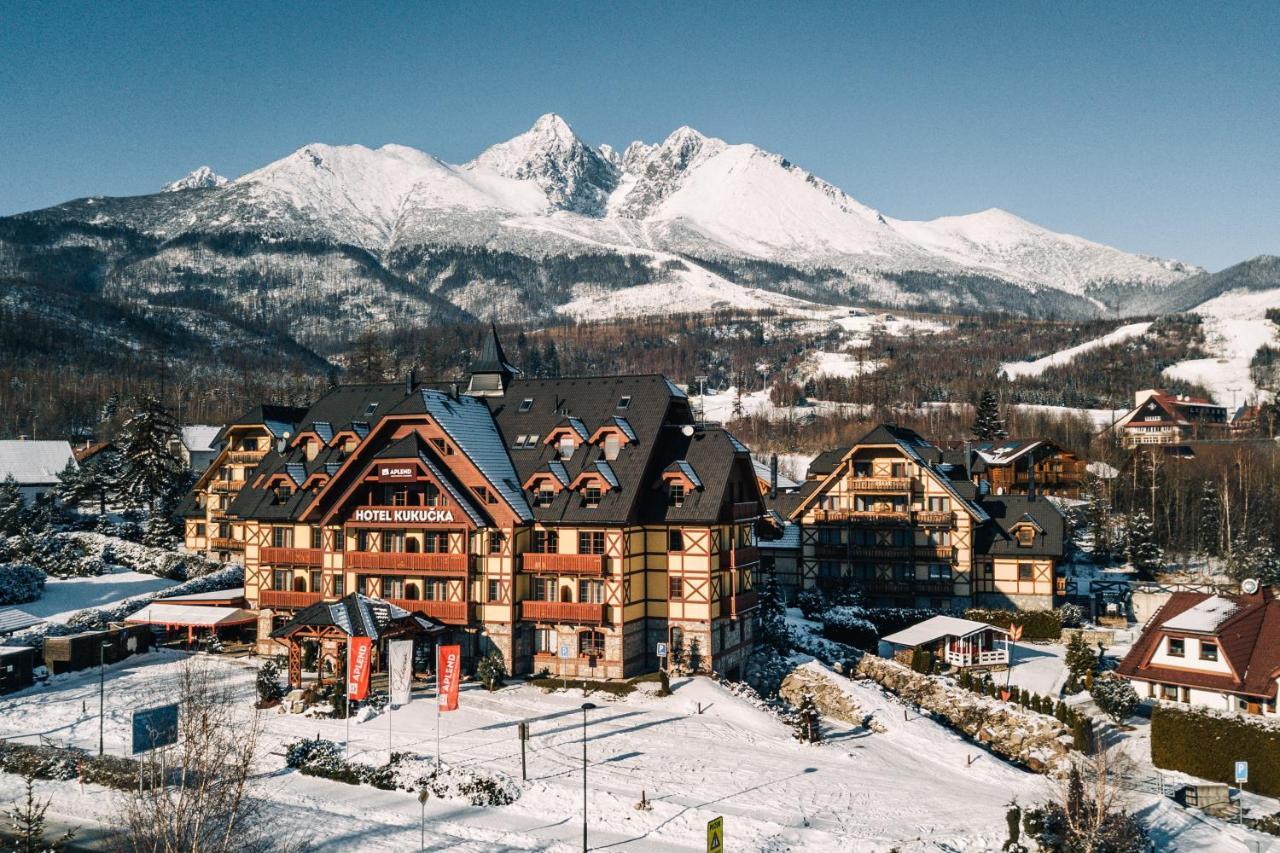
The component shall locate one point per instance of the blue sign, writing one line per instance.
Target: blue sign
(1242, 772)
(662, 650)
(155, 727)
(564, 651)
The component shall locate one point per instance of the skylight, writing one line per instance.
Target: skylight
(369, 411)
(526, 404)
(624, 402)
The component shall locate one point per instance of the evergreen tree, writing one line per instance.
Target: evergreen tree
(1255, 557)
(551, 360)
(151, 473)
(366, 360)
(1116, 697)
(1098, 515)
(1209, 522)
(987, 424)
(491, 670)
(1081, 660)
(771, 615)
(1143, 552)
(695, 656)
(28, 823)
(808, 722)
(268, 682)
(15, 516)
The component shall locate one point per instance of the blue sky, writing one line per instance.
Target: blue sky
(1152, 128)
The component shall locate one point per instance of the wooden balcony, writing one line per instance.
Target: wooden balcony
(291, 557)
(434, 564)
(839, 551)
(945, 553)
(745, 509)
(275, 598)
(879, 484)
(448, 612)
(744, 558)
(889, 587)
(562, 612)
(935, 587)
(562, 564)
(222, 543)
(225, 485)
(931, 518)
(854, 516)
(741, 602)
(245, 456)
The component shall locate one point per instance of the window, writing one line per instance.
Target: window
(224, 530)
(591, 644)
(317, 538)
(612, 446)
(939, 572)
(1026, 535)
(282, 537)
(199, 528)
(831, 535)
(828, 569)
(675, 540)
(370, 409)
(339, 581)
(939, 504)
(493, 591)
(316, 583)
(543, 497)
(862, 469)
(675, 494)
(283, 493)
(280, 580)
(393, 541)
(1177, 647)
(1208, 650)
(939, 538)
(1169, 692)
(248, 444)
(591, 497)
(526, 404)
(435, 542)
(445, 448)
(590, 592)
(899, 470)
(675, 588)
(544, 641)
(1025, 572)
(591, 542)
(546, 542)
(624, 402)
(339, 540)
(566, 447)
(495, 542)
(544, 589)
(392, 586)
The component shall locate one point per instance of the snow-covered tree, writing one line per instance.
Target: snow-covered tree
(1081, 661)
(1255, 557)
(92, 482)
(20, 583)
(771, 616)
(15, 516)
(987, 423)
(808, 722)
(151, 473)
(491, 670)
(1209, 520)
(28, 824)
(268, 682)
(1116, 697)
(1143, 552)
(1098, 517)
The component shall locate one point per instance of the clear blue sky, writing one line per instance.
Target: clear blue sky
(1152, 128)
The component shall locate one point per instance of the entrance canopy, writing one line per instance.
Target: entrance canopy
(357, 615)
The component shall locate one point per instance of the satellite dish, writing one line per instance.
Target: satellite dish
(1249, 585)
(687, 429)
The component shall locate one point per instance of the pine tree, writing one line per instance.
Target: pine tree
(1209, 522)
(695, 656)
(15, 516)
(268, 682)
(151, 474)
(808, 722)
(771, 615)
(28, 823)
(1098, 514)
(551, 360)
(1143, 552)
(1081, 660)
(1255, 557)
(987, 424)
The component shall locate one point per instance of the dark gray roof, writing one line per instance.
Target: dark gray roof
(359, 616)
(1005, 511)
(826, 461)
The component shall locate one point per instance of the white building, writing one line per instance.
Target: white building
(1213, 651)
(962, 643)
(34, 464)
(199, 446)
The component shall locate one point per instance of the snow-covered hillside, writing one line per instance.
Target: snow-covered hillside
(1018, 369)
(1235, 327)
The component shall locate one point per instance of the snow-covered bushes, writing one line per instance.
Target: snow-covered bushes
(863, 627)
(20, 583)
(1116, 697)
(464, 783)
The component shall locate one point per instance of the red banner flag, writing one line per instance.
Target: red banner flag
(359, 652)
(448, 675)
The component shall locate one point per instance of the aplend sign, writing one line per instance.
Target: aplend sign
(403, 515)
(397, 471)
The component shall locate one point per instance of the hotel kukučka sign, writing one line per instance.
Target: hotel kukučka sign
(402, 515)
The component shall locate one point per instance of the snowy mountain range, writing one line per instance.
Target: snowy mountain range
(545, 224)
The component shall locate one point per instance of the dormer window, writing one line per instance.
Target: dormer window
(612, 446)
(543, 497)
(675, 494)
(1026, 536)
(526, 404)
(1177, 647)
(591, 496)
(624, 402)
(566, 447)
(283, 493)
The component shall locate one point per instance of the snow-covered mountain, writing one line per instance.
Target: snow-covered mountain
(544, 224)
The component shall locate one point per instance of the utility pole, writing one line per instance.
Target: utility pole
(102, 693)
(586, 706)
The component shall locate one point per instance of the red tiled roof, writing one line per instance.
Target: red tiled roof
(1249, 639)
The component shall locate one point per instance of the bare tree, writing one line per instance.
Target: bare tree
(197, 796)
(1090, 813)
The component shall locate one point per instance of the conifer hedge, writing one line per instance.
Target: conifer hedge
(1036, 624)
(1208, 745)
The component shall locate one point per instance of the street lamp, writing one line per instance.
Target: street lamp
(102, 690)
(586, 706)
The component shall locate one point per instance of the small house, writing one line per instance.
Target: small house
(35, 465)
(962, 643)
(17, 668)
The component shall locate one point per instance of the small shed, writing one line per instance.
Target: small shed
(12, 619)
(960, 642)
(74, 652)
(196, 619)
(17, 668)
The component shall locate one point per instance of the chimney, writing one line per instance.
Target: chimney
(773, 476)
(453, 390)
(410, 381)
(968, 461)
(1031, 476)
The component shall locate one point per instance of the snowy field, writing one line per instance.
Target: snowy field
(908, 788)
(1234, 328)
(63, 597)
(1019, 369)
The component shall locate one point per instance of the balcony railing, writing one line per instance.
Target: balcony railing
(280, 598)
(741, 602)
(935, 552)
(745, 509)
(225, 485)
(742, 558)
(935, 587)
(879, 484)
(448, 612)
(291, 557)
(890, 587)
(934, 518)
(562, 564)
(245, 455)
(831, 549)
(436, 564)
(222, 543)
(854, 516)
(562, 612)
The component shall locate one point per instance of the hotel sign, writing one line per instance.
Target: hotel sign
(402, 515)
(393, 472)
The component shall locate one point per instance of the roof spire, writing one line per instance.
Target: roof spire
(491, 372)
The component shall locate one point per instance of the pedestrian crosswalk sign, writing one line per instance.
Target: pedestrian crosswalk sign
(715, 835)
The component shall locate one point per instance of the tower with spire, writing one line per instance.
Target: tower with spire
(491, 372)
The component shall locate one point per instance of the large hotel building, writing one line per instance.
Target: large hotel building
(591, 514)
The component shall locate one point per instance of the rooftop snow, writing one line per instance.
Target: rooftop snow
(199, 437)
(34, 463)
(1205, 617)
(931, 630)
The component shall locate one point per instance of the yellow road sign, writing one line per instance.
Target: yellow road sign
(715, 835)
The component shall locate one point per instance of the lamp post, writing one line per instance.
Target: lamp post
(586, 706)
(102, 692)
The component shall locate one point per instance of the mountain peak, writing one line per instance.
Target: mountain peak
(201, 178)
(550, 124)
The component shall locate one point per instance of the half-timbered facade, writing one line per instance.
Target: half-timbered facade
(572, 524)
(888, 517)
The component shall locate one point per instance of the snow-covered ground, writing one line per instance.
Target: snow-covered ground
(1019, 369)
(1234, 328)
(62, 598)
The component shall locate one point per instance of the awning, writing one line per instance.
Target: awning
(191, 616)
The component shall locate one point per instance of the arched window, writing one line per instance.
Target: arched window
(411, 591)
(591, 644)
(566, 593)
(410, 545)
(300, 584)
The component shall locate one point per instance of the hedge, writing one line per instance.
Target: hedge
(862, 627)
(1208, 745)
(1036, 624)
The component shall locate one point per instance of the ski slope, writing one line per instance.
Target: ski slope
(1019, 369)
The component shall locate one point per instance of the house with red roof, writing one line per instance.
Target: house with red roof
(1213, 651)
(1159, 417)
